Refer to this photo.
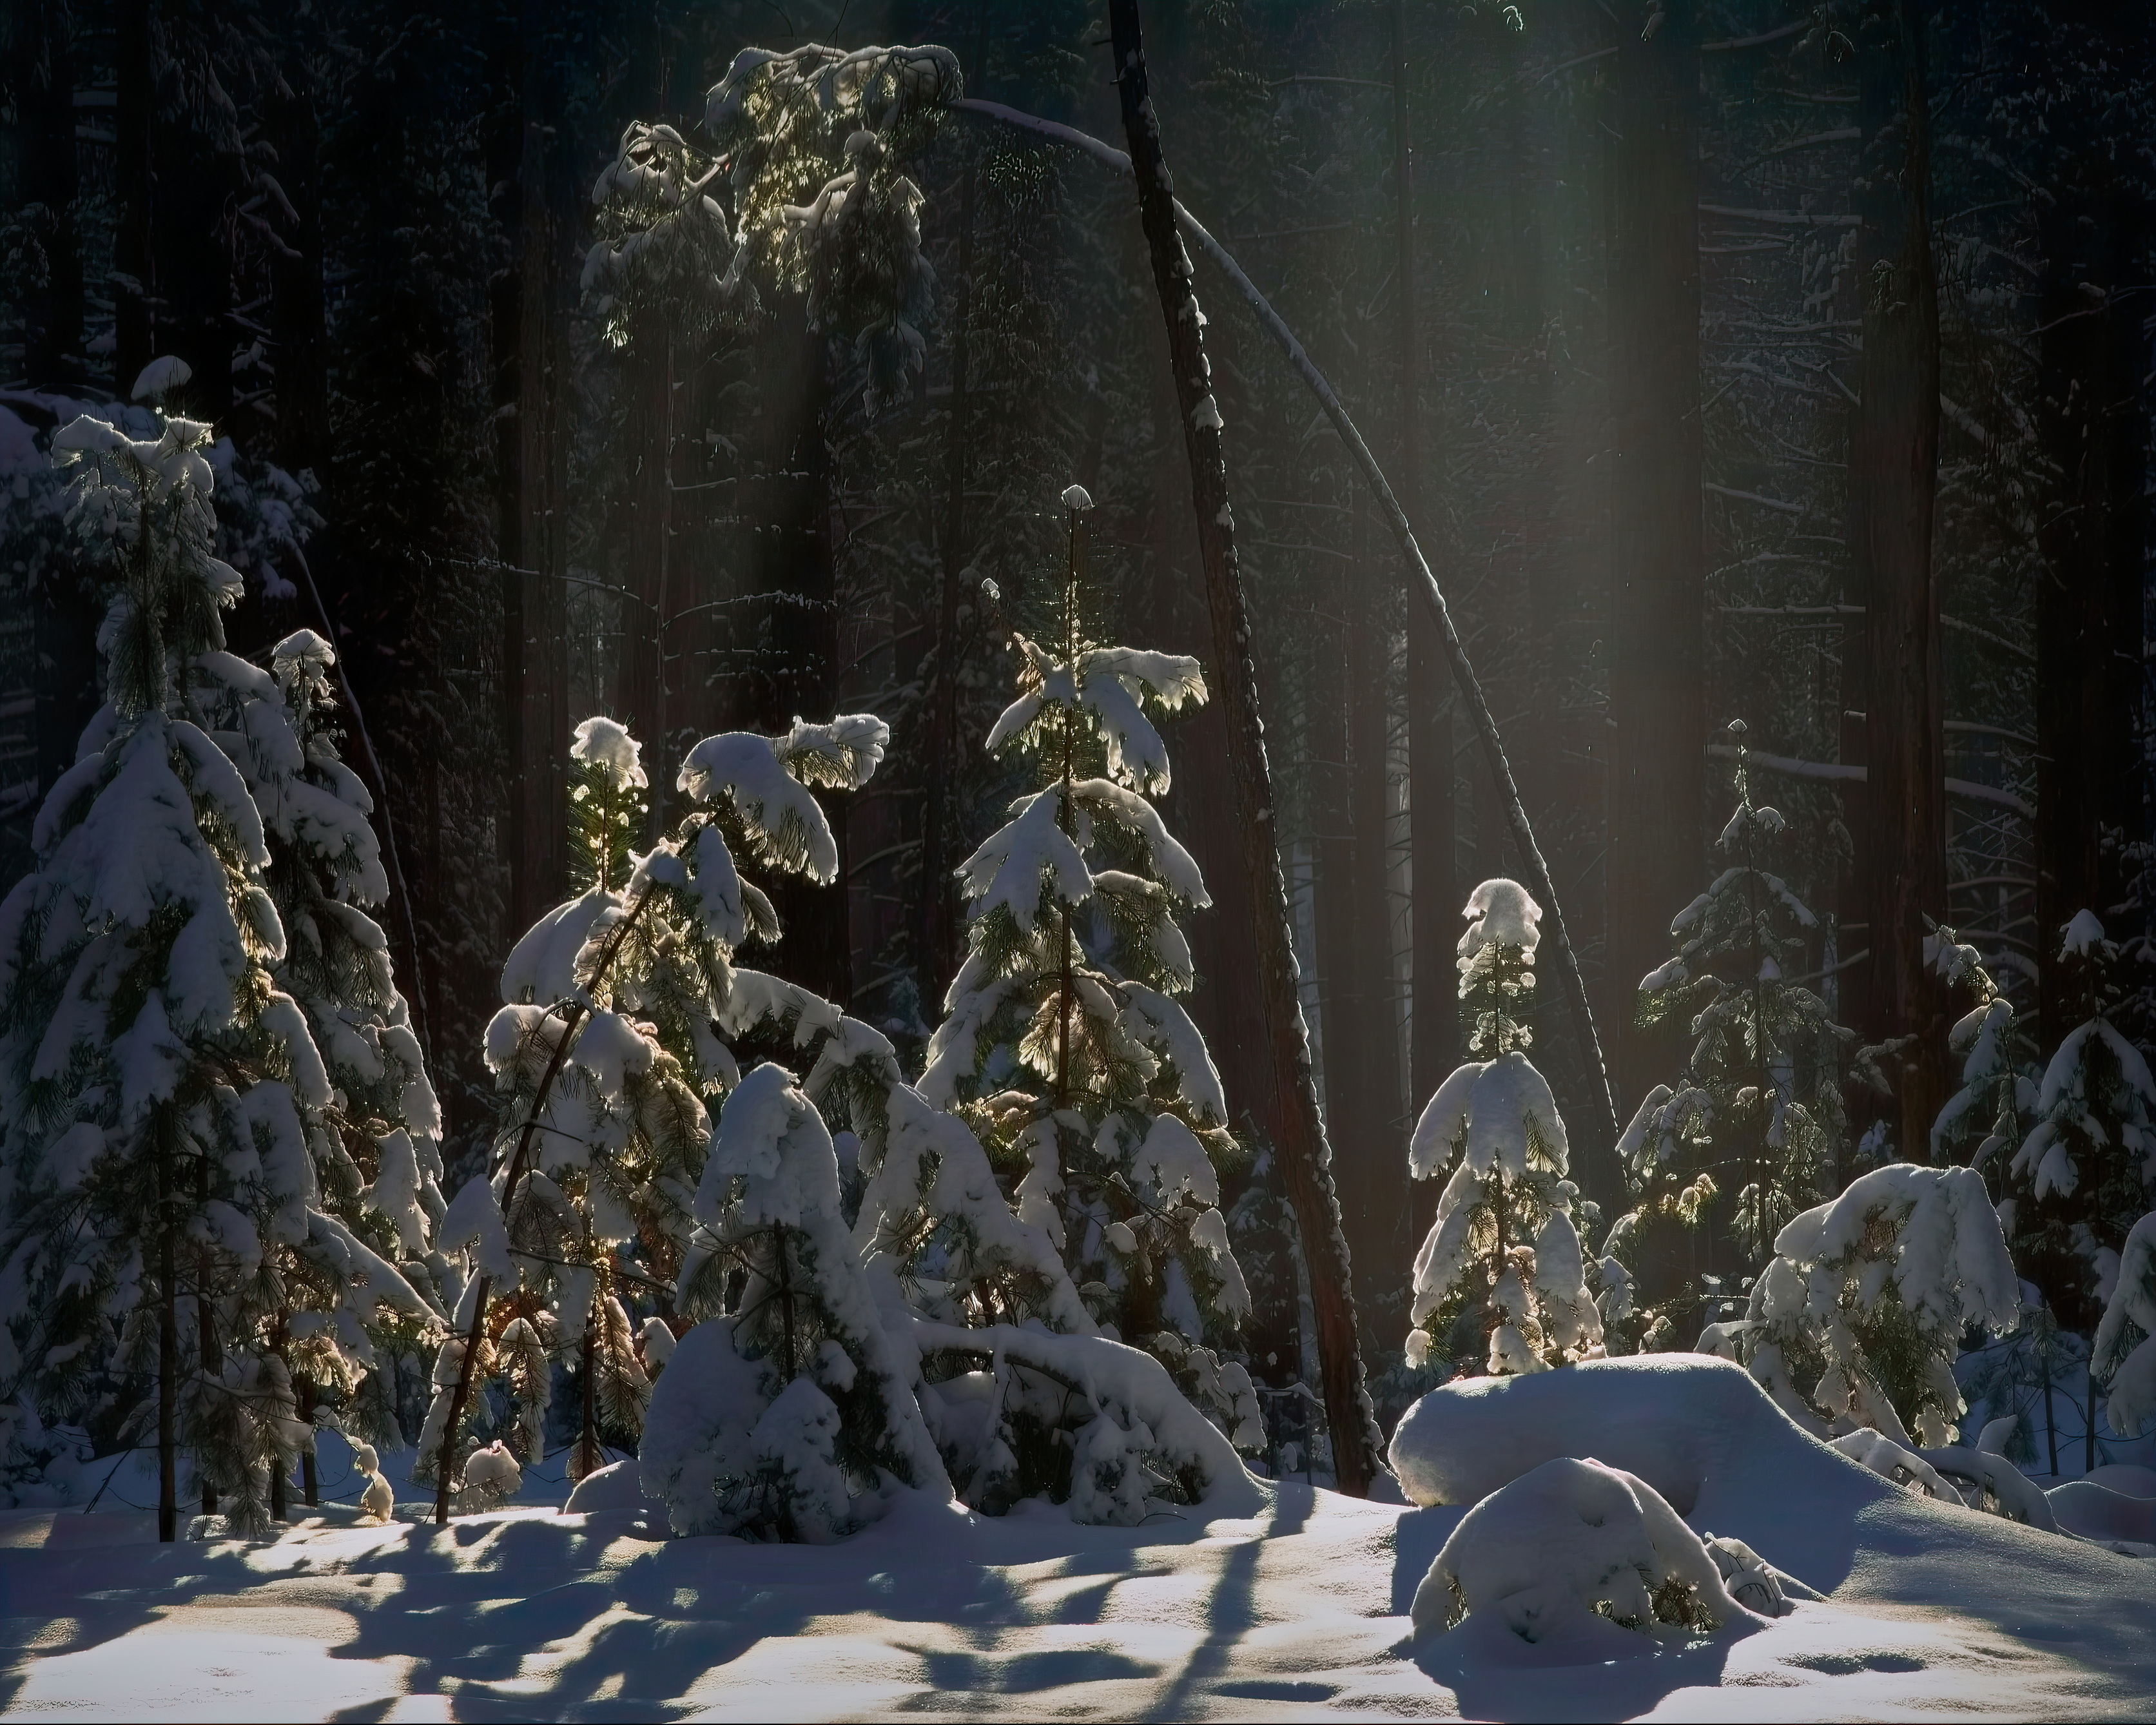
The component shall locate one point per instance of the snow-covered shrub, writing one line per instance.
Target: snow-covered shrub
(1064, 1046)
(1503, 1255)
(1757, 1112)
(776, 1417)
(2087, 1168)
(1566, 1543)
(611, 1049)
(1858, 1318)
(152, 1073)
(2124, 1354)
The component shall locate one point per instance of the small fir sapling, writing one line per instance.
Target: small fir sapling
(2087, 1168)
(1503, 1255)
(1064, 1046)
(152, 1075)
(1757, 1109)
(2123, 1356)
(1858, 1318)
(1986, 1113)
(776, 1416)
(375, 1139)
(610, 1048)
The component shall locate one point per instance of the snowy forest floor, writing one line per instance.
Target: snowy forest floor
(1299, 1612)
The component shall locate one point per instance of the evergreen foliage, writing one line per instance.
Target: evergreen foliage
(2123, 1355)
(610, 1048)
(1065, 1046)
(1858, 1318)
(1986, 1111)
(2087, 1168)
(1502, 1262)
(1757, 1109)
(163, 1100)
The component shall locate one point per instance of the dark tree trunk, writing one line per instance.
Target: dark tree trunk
(168, 1351)
(798, 678)
(130, 235)
(642, 699)
(2092, 416)
(191, 229)
(1433, 1020)
(298, 313)
(1305, 1159)
(531, 510)
(45, 105)
(1893, 468)
(1332, 910)
(935, 943)
(1657, 780)
(1378, 1157)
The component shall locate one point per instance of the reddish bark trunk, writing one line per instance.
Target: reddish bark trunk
(1305, 1158)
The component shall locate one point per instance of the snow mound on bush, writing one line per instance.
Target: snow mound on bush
(1568, 1549)
(1701, 1433)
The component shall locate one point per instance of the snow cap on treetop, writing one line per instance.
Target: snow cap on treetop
(166, 373)
(1078, 499)
(1501, 911)
(606, 743)
(2083, 935)
(302, 645)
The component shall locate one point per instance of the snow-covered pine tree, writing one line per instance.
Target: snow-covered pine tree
(374, 1139)
(1758, 1110)
(151, 1073)
(610, 1048)
(774, 1417)
(1064, 1045)
(1857, 1319)
(2087, 1168)
(1985, 1114)
(1503, 1256)
(2124, 1354)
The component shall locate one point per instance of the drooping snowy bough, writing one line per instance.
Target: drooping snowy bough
(2124, 1354)
(1858, 1320)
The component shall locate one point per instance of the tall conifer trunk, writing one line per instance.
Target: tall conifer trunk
(1305, 1158)
(130, 234)
(2093, 417)
(45, 105)
(1378, 1155)
(1658, 776)
(1893, 468)
(168, 1350)
(1434, 1020)
(936, 937)
(531, 511)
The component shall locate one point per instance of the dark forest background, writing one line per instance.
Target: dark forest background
(1596, 280)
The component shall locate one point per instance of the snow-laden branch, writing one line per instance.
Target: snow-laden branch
(1432, 595)
(1791, 767)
